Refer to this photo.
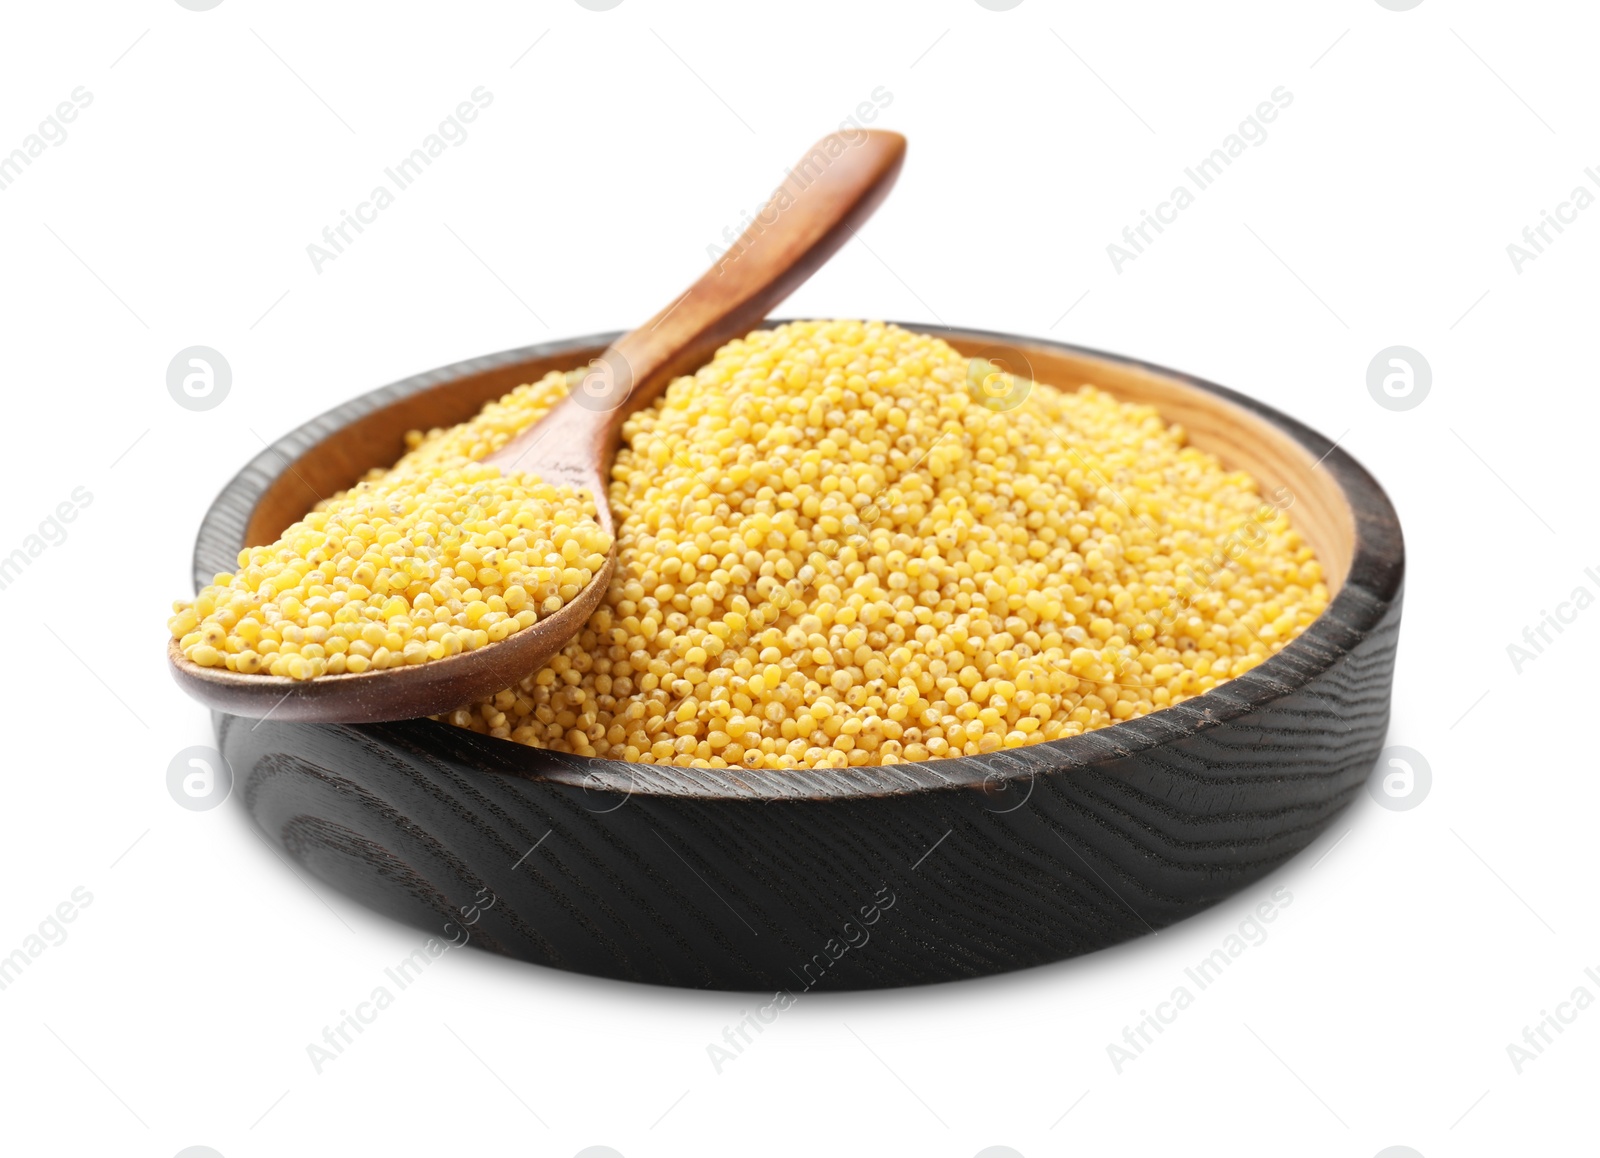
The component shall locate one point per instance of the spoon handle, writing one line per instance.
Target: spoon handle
(830, 191)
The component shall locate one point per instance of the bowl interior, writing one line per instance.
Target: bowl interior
(378, 438)
(1241, 438)
(1238, 436)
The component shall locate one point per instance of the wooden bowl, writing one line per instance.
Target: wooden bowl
(846, 879)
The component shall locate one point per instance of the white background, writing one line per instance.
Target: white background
(219, 144)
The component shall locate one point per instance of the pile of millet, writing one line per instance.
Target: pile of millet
(438, 556)
(841, 543)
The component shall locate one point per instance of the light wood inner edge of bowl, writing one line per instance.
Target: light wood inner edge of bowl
(1240, 438)
(378, 439)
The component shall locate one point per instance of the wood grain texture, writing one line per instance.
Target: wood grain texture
(741, 879)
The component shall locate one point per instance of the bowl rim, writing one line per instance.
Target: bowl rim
(1371, 586)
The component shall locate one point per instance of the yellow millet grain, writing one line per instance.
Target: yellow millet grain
(433, 558)
(832, 553)
(493, 426)
(483, 434)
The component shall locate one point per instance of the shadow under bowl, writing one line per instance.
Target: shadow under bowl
(839, 879)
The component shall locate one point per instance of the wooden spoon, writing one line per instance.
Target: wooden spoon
(833, 189)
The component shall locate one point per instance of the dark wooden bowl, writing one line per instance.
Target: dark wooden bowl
(847, 879)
